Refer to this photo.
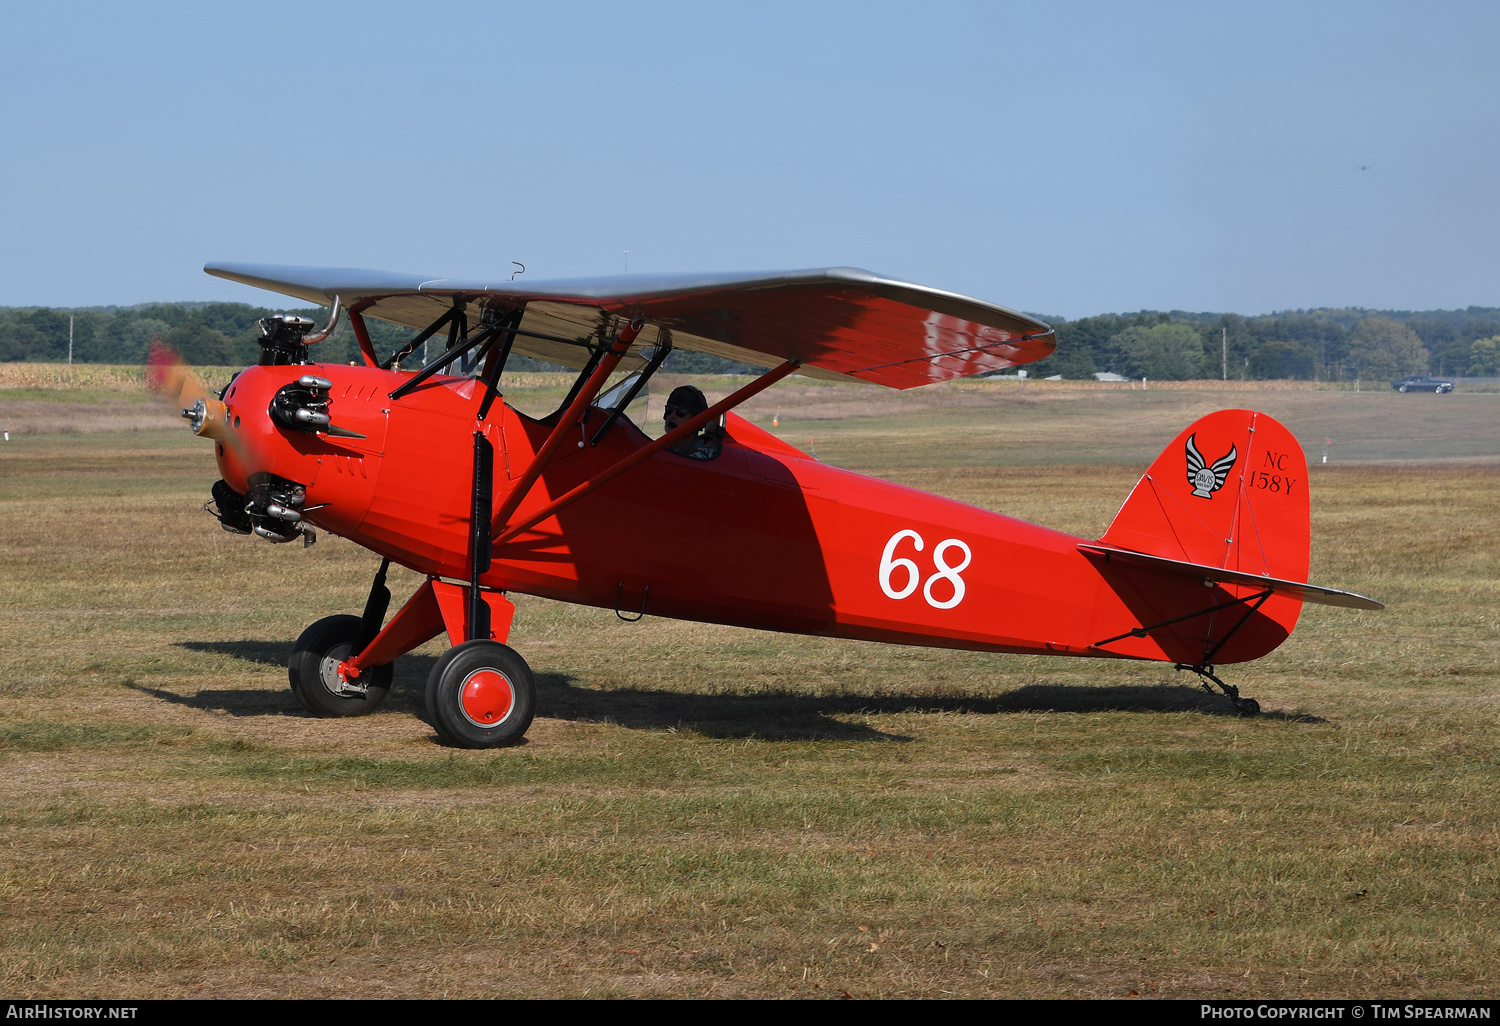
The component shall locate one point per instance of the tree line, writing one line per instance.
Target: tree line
(1310, 345)
(1322, 345)
(206, 334)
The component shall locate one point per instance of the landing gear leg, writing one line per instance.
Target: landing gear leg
(313, 671)
(1245, 706)
(481, 694)
(375, 609)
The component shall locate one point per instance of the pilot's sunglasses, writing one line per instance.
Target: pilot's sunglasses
(677, 411)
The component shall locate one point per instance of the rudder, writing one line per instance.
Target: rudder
(1230, 492)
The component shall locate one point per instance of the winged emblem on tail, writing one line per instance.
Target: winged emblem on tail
(1207, 478)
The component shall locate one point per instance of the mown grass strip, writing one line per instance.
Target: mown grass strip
(53, 736)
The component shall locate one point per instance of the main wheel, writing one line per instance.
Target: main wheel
(481, 694)
(313, 670)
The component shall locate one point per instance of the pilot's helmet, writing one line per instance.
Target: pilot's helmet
(687, 397)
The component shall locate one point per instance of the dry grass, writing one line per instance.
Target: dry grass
(710, 811)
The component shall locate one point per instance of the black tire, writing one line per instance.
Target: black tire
(481, 694)
(316, 657)
(1248, 707)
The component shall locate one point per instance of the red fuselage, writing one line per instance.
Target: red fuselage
(763, 536)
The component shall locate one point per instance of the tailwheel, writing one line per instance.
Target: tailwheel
(1244, 706)
(314, 671)
(481, 694)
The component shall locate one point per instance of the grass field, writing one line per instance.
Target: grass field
(704, 811)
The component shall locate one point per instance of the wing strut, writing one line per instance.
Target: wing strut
(662, 350)
(715, 411)
(585, 376)
(457, 322)
(366, 347)
(495, 359)
(580, 402)
(447, 356)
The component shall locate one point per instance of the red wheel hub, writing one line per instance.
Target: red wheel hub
(486, 698)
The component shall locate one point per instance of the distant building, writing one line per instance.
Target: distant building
(1109, 376)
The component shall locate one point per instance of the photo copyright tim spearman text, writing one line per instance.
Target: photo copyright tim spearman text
(1374, 1010)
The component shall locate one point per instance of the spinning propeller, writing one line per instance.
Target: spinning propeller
(176, 383)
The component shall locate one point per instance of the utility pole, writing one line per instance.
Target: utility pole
(70, 340)
(1224, 339)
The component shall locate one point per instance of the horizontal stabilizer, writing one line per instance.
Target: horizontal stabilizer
(1218, 575)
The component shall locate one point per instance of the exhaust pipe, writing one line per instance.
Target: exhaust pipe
(333, 319)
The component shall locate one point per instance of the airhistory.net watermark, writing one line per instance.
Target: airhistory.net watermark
(67, 1010)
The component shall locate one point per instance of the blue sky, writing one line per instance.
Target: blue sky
(1066, 159)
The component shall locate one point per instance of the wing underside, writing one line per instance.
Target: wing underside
(837, 322)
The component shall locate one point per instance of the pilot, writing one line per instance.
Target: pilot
(683, 404)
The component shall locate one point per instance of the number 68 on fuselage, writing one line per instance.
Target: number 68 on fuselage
(943, 572)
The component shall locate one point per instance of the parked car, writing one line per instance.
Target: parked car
(1422, 383)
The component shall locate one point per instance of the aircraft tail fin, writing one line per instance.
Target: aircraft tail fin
(1230, 492)
(1223, 527)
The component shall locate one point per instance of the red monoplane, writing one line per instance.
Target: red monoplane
(1205, 563)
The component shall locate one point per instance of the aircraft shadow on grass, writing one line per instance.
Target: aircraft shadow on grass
(771, 715)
